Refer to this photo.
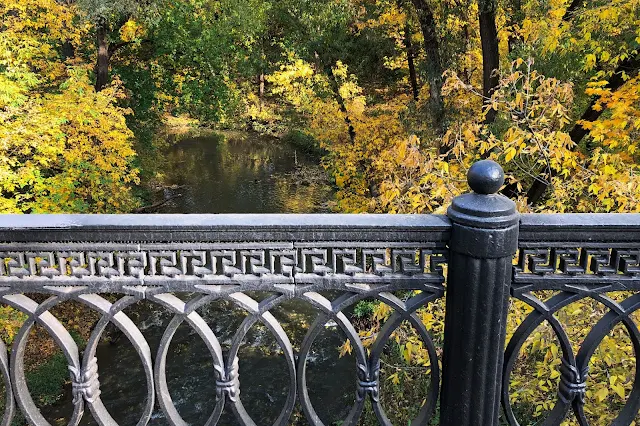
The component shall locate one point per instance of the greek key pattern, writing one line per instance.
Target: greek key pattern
(555, 267)
(574, 272)
(223, 265)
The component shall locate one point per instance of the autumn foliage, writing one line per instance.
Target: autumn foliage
(64, 147)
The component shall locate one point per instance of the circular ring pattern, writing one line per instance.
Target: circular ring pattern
(574, 367)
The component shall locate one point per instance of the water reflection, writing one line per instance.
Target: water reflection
(242, 173)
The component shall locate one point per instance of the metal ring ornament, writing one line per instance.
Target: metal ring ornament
(259, 311)
(543, 311)
(366, 364)
(405, 311)
(576, 366)
(619, 313)
(323, 317)
(39, 313)
(113, 312)
(184, 312)
(9, 405)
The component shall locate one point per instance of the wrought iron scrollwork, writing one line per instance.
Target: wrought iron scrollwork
(228, 383)
(573, 383)
(368, 382)
(576, 271)
(210, 272)
(84, 383)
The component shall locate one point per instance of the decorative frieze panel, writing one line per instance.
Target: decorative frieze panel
(578, 261)
(559, 267)
(225, 265)
(343, 269)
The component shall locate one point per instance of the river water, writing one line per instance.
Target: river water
(234, 173)
(243, 173)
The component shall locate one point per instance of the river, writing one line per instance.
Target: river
(242, 172)
(239, 173)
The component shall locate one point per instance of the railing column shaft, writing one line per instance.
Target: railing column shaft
(483, 241)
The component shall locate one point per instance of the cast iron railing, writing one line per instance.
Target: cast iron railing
(184, 262)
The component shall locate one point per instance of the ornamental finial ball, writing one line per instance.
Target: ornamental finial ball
(485, 177)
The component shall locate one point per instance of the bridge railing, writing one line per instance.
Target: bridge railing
(258, 263)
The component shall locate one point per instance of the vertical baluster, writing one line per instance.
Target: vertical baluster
(484, 239)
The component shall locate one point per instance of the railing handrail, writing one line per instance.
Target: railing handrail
(224, 227)
(580, 227)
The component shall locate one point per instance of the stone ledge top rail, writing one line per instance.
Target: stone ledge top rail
(224, 228)
(579, 227)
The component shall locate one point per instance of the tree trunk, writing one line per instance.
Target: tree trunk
(68, 51)
(102, 65)
(434, 62)
(343, 107)
(261, 89)
(490, 55)
(410, 60)
(413, 78)
(466, 72)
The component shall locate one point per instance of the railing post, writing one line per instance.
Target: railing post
(484, 238)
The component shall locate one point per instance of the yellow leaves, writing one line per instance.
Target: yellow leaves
(535, 137)
(595, 188)
(131, 31)
(616, 385)
(528, 29)
(601, 394)
(394, 378)
(382, 312)
(349, 91)
(346, 348)
(10, 322)
(67, 152)
(469, 135)
(443, 167)
(340, 70)
(297, 82)
(509, 154)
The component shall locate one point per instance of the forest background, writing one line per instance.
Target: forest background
(402, 97)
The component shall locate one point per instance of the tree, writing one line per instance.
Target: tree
(434, 62)
(108, 17)
(64, 147)
(613, 63)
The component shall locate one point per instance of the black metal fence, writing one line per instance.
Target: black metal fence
(181, 263)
